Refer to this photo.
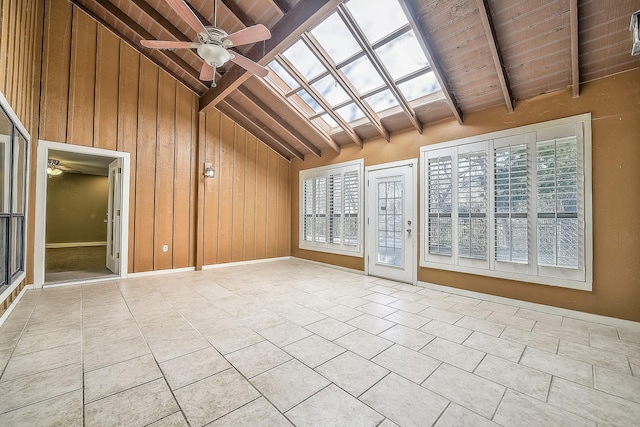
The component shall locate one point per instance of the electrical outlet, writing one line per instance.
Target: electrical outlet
(165, 248)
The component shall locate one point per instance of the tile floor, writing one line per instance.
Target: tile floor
(288, 342)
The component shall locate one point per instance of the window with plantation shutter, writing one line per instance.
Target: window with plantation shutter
(330, 202)
(521, 205)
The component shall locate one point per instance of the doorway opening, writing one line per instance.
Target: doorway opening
(81, 214)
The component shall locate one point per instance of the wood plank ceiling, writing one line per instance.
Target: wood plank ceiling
(484, 53)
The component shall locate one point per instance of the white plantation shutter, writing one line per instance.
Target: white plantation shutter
(330, 208)
(439, 205)
(472, 205)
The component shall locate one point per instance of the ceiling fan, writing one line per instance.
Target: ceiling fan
(213, 43)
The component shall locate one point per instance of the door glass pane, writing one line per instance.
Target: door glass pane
(5, 161)
(19, 175)
(17, 244)
(390, 222)
(4, 231)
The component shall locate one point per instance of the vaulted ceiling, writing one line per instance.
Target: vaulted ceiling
(484, 53)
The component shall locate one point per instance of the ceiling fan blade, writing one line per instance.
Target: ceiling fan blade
(206, 72)
(255, 33)
(249, 65)
(185, 12)
(161, 44)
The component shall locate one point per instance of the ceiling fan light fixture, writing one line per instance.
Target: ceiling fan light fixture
(214, 55)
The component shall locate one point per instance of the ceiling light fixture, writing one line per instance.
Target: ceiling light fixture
(635, 33)
(52, 168)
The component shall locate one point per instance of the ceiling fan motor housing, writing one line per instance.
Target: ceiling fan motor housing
(212, 49)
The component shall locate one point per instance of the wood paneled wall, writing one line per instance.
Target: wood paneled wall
(20, 55)
(246, 213)
(98, 91)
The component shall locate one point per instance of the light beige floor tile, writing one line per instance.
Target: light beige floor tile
(138, 406)
(517, 409)
(377, 309)
(289, 384)
(498, 347)
(468, 310)
(40, 361)
(303, 316)
(617, 383)
(513, 321)
(441, 315)
(408, 306)
(46, 341)
(454, 354)
(258, 413)
(381, 289)
(63, 410)
(343, 313)
(518, 377)
(468, 390)
(593, 404)
(480, 325)
(284, 334)
(4, 358)
(387, 423)
(333, 407)
(407, 319)
(167, 349)
(34, 388)
(403, 402)
(106, 354)
(461, 299)
(564, 367)
(632, 335)
(347, 301)
(408, 295)
(8, 339)
(372, 324)
(407, 363)
(447, 331)
(576, 336)
(615, 345)
(314, 350)
(457, 416)
(193, 367)
(440, 303)
(352, 372)
(119, 377)
(363, 343)
(212, 397)
(330, 328)
(407, 337)
(538, 316)
(258, 358)
(174, 420)
(230, 339)
(498, 307)
(594, 356)
(635, 365)
(591, 327)
(531, 339)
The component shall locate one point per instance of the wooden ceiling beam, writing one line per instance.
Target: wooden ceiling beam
(276, 120)
(346, 84)
(170, 56)
(259, 129)
(575, 66)
(288, 29)
(233, 7)
(412, 16)
(297, 111)
(494, 48)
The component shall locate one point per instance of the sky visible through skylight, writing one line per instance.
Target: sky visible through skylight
(387, 31)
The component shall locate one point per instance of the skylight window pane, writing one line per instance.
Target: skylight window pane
(402, 56)
(377, 18)
(310, 101)
(284, 75)
(327, 120)
(363, 75)
(304, 60)
(331, 90)
(350, 112)
(382, 101)
(336, 39)
(419, 86)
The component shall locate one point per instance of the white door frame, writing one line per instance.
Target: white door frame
(369, 204)
(41, 203)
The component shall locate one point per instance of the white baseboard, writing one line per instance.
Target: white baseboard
(74, 245)
(253, 261)
(580, 315)
(159, 272)
(13, 304)
(324, 264)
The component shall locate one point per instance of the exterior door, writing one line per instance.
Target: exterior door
(114, 216)
(392, 221)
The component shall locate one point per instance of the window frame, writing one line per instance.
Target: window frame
(575, 278)
(17, 130)
(326, 172)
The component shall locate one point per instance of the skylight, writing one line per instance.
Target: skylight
(355, 65)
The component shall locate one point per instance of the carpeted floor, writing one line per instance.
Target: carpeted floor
(79, 263)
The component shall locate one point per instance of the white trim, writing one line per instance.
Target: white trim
(324, 264)
(12, 286)
(13, 304)
(253, 261)
(580, 315)
(81, 282)
(160, 272)
(41, 196)
(74, 245)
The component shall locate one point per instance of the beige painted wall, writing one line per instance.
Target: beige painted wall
(76, 208)
(614, 103)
